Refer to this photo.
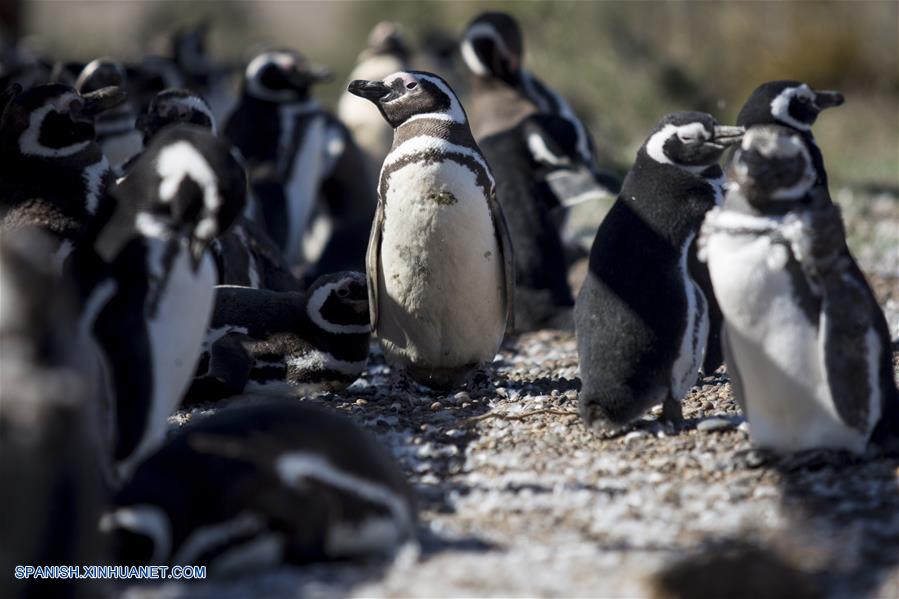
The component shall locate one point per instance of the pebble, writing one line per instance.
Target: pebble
(435, 406)
(714, 424)
(707, 405)
(361, 402)
(462, 397)
(635, 435)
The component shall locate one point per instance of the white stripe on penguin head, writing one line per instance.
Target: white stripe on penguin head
(179, 160)
(454, 113)
(471, 58)
(29, 141)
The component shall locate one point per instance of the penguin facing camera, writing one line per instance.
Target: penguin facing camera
(806, 344)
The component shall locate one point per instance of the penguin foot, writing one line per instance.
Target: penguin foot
(672, 414)
(816, 459)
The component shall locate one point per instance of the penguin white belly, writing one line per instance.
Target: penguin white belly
(692, 348)
(776, 350)
(177, 331)
(441, 279)
(303, 181)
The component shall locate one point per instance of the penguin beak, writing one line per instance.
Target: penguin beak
(727, 136)
(828, 99)
(370, 90)
(307, 76)
(101, 100)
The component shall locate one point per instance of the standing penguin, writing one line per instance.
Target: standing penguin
(387, 53)
(262, 484)
(641, 320)
(807, 346)
(297, 152)
(49, 441)
(439, 264)
(115, 129)
(54, 173)
(147, 281)
(790, 104)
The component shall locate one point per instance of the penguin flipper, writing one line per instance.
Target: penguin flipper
(373, 263)
(505, 247)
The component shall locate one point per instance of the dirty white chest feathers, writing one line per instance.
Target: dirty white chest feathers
(441, 301)
(776, 349)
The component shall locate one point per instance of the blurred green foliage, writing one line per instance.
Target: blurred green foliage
(623, 65)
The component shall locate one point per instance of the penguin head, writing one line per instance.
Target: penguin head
(387, 38)
(410, 95)
(492, 47)
(690, 140)
(53, 120)
(100, 73)
(188, 184)
(189, 50)
(773, 169)
(338, 303)
(172, 106)
(790, 103)
(282, 76)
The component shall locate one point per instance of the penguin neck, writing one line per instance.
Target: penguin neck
(297, 106)
(451, 131)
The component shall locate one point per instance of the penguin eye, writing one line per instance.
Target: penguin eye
(76, 106)
(343, 292)
(802, 99)
(412, 85)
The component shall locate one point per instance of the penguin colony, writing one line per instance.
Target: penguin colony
(152, 259)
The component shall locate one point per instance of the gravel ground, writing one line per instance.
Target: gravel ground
(518, 498)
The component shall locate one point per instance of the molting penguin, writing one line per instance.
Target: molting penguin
(54, 174)
(261, 340)
(148, 289)
(297, 152)
(115, 130)
(440, 269)
(244, 255)
(807, 346)
(49, 460)
(641, 320)
(504, 92)
(262, 484)
(387, 53)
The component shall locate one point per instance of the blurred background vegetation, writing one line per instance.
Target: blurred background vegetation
(622, 64)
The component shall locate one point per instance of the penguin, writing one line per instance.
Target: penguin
(641, 321)
(259, 485)
(787, 103)
(298, 343)
(199, 72)
(115, 129)
(792, 104)
(244, 255)
(387, 52)
(49, 449)
(504, 92)
(524, 159)
(55, 175)
(147, 281)
(296, 152)
(807, 347)
(440, 268)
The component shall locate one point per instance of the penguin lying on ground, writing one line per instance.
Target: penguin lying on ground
(257, 485)
(49, 442)
(440, 270)
(244, 255)
(297, 153)
(387, 53)
(291, 342)
(55, 175)
(791, 104)
(148, 289)
(641, 320)
(115, 129)
(807, 346)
